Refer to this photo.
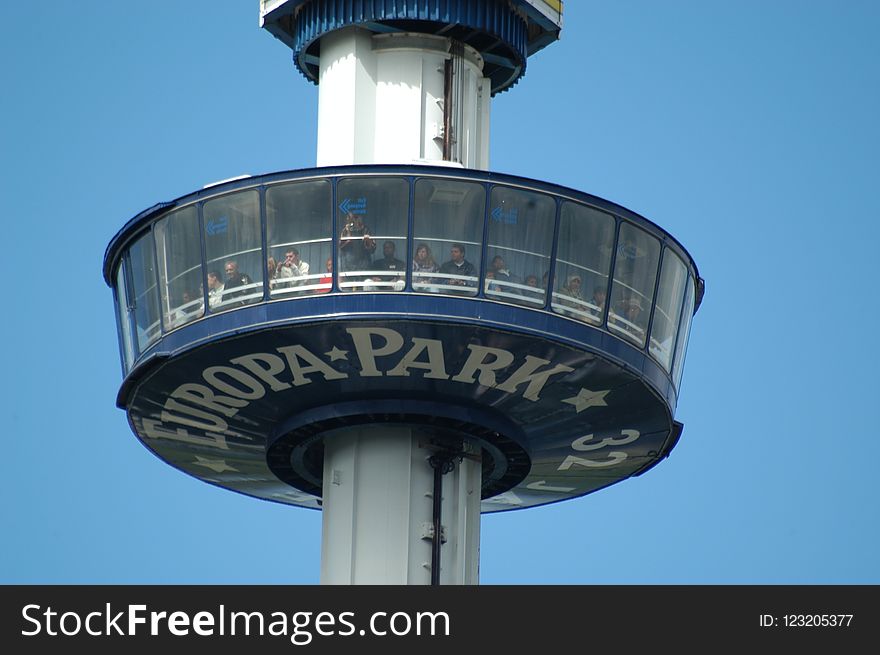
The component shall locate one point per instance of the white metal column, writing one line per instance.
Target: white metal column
(346, 98)
(377, 510)
(381, 100)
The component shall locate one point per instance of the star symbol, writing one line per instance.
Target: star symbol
(293, 496)
(541, 485)
(336, 353)
(587, 398)
(507, 498)
(216, 465)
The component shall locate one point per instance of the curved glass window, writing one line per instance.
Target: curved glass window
(386, 230)
(687, 314)
(583, 262)
(372, 224)
(145, 297)
(298, 226)
(519, 245)
(233, 246)
(448, 215)
(122, 316)
(673, 277)
(632, 291)
(180, 268)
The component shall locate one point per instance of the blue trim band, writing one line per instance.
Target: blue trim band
(403, 307)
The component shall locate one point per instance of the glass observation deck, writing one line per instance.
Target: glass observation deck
(402, 230)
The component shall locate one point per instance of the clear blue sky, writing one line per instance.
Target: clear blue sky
(749, 130)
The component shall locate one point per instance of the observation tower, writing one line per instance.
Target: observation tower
(399, 337)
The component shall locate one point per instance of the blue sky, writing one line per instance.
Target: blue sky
(748, 130)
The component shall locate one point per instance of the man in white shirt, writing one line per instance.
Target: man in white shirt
(292, 271)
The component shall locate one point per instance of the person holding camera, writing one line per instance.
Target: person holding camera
(356, 248)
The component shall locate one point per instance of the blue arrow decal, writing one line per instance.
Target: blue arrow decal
(353, 206)
(219, 226)
(501, 216)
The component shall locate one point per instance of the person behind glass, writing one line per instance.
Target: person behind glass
(292, 271)
(356, 248)
(192, 304)
(627, 320)
(390, 263)
(271, 271)
(458, 266)
(236, 284)
(423, 265)
(571, 294)
(215, 289)
(534, 291)
(502, 274)
(600, 293)
(180, 314)
(326, 280)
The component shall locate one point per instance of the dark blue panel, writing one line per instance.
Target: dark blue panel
(243, 410)
(489, 26)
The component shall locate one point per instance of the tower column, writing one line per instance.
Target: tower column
(378, 509)
(346, 98)
(401, 98)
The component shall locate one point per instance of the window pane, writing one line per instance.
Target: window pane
(372, 213)
(122, 317)
(673, 277)
(233, 245)
(447, 212)
(142, 264)
(180, 267)
(583, 262)
(684, 333)
(635, 272)
(520, 242)
(298, 224)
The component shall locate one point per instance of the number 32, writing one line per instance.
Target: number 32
(581, 445)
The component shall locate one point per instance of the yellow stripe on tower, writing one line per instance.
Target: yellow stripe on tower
(554, 4)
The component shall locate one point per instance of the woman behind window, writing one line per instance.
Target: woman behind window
(423, 266)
